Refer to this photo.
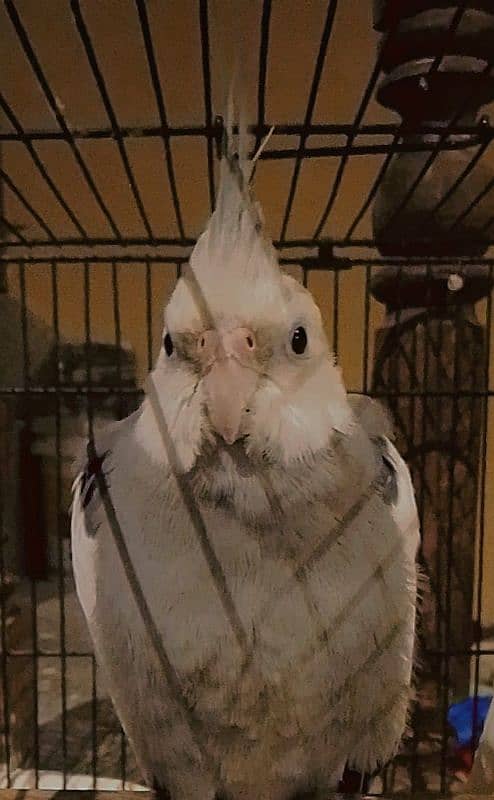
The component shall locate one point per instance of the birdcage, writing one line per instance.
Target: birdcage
(377, 185)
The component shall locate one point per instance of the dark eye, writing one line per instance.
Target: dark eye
(299, 340)
(168, 344)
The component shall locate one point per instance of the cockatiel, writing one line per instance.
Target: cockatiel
(244, 545)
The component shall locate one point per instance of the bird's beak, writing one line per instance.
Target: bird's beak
(230, 380)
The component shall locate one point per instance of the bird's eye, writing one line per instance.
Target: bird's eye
(299, 340)
(168, 344)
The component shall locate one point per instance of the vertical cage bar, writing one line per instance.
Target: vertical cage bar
(123, 759)
(263, 68)
(118, 343)
(59, 531)
(206, 73)
(118, 333)
(365, 355)
(149, 316)
(4, 643)
(449, 566)
(33, 586)
(336, 309)
(94, 724)
(482, 484)
(90, 422)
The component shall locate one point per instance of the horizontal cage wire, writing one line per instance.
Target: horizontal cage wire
(111, 129)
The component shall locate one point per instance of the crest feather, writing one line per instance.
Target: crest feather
(234, 251)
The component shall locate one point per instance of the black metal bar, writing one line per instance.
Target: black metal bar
(392, 149)
(33, 589)
(287, 154)
(309, 263)
(105, 97)
(263, 68)
(439, 652)
(123, 758)
(421, 509)
(67, 136)
(26, 653)
(4, 643)
(301, 153)
(461, 177)
(5, 223)
(118, 343)
(482, 485)
(365, 355)
(160, 102)
(336, 308)
(94, 724)
(440, 375)
(3, 605)
(90, 421)
(449, 567)
(206, 73)
(288, 244)
(108, 390)
(59, 532)
(258, 130)
(68, 390)
(149, 316)
(27, 205)
(118, 332)
(472, 205)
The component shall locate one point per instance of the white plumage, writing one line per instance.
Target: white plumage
(272, 528)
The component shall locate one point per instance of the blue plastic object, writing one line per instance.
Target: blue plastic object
(461, 718)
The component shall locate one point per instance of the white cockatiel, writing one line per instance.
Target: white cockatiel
(244, 545)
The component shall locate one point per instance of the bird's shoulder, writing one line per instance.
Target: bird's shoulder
(104, 451)
(374, 418)
(375, 424)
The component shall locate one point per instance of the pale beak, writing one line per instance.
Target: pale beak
(230, 378)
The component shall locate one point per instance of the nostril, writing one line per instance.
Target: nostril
(203, 341)
(250, 342)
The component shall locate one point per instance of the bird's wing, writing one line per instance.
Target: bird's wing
(481, 779)
(87, 511)
(403, 505)
(387, 699)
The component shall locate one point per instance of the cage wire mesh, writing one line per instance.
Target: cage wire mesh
(109, 141)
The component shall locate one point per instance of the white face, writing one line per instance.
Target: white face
(261, 375)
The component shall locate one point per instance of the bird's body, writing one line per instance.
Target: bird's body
(272, 528)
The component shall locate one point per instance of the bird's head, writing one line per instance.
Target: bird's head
(244, 358)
